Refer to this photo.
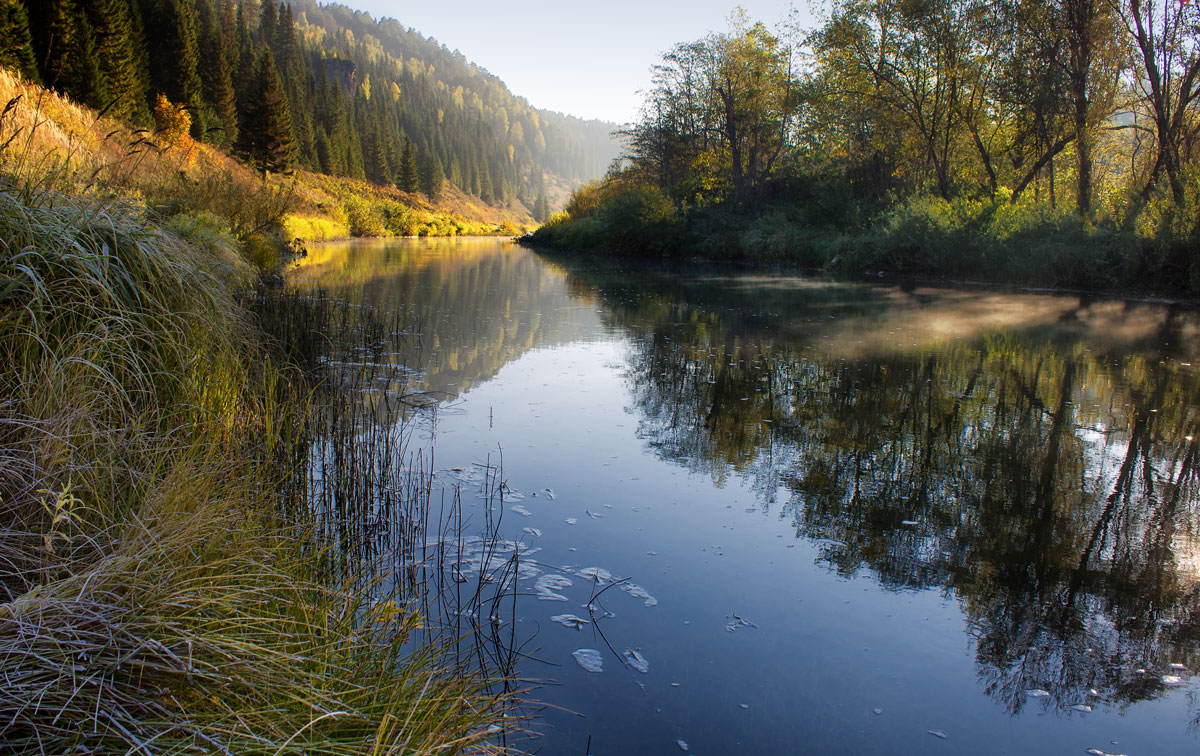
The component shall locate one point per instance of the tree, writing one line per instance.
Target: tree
(728, 101)
(118, 55)
(541, 207)
(64, 47)
(173, 53)
(432, 176)
(408, 178)
(266, 134)
(1166, 35)
(16, 43)
(219, 94)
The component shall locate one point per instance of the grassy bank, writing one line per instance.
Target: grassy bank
(162, 581)
(1147, 247)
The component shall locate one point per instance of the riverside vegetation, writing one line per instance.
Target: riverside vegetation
(173, 580)
(1049, 144)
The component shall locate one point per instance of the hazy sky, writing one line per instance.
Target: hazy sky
(584, 58)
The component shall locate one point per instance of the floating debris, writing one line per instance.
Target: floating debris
(569, 620)
(636, 660)
(683, 746)
(521, 510)
(1037, 693)
(1085, 708)
(535, 532)
(738, 622)
(637, 591)
(938, 734)
(598, 574)
(547, 587)
(589, 659)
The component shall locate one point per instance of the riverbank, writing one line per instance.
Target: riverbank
(985, 241)
(165, 588)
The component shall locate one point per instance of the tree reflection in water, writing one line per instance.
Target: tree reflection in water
(1045, 474)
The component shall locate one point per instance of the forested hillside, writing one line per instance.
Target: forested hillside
(297, 84)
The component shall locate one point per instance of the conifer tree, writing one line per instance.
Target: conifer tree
(541, 207)
(16, 43)
(118, 56)
(84, 80)
(217, 78)
(432, 175)
(409, 177)
(174, 55)
(268, 19)
(266, 133)
(53, 26)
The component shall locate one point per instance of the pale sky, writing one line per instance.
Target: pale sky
(585, 59)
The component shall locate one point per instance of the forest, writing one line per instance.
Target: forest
(1034, 142)
(298, 85)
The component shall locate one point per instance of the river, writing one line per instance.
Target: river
(835, 518)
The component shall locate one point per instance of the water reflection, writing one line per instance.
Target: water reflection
(1031, 457)
(471, 305)
(1036, 457)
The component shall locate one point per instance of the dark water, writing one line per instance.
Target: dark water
(850, 515)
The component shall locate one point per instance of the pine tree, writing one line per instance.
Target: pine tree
(268, 19)
(541, 207)
(16, 43)
(217, 78)
(85, 81)
(409, 177)
(118, 55)
(432, 175)
(266, 134)
(174, 55)
(53, 26)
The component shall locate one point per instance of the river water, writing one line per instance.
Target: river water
(850, 518)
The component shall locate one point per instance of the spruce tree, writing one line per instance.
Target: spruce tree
(118, 56)
(266, 134)
(16, 43)
(432, 175)
(541, 207)
(217, 78)
(53, 24)
(85, 81)
(174, 55)
(409, 177)
(268, 19)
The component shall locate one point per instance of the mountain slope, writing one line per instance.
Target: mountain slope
(324, 88)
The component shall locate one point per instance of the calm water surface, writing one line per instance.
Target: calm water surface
(855, 519)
